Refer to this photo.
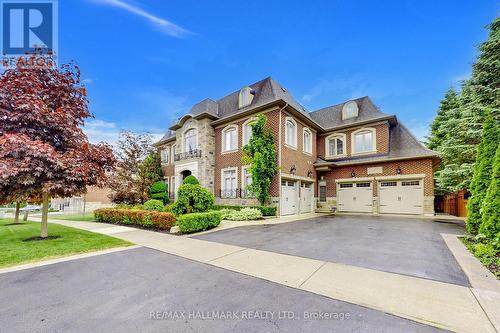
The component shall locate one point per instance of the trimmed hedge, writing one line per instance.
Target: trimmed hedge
(265, 210)
(143, 218)
(153, 204)
(198, 221)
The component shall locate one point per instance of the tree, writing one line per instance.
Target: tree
(464, 125)
(261, 154)
(482, 173)
(437, 132)
(192, 198)
(43, 149)
(490, 223)
(138, 168)
(159, 191)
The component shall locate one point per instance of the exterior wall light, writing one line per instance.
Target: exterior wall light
(398, 170)
(353, 174)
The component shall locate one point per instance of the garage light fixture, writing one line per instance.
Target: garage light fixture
(293, 170)
(353, 174)
(310, 174)
(398, 170)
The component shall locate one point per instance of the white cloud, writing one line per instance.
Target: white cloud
(161, 24)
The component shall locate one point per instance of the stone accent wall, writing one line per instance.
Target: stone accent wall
(382, 134)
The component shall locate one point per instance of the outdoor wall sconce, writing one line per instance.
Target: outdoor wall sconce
(310, 174)
(353, 174)
(398, 170)
(293, 170)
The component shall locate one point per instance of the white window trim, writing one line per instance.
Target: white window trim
(183, 139)
(344, 108)
(304, 130)
(172, 188)
(223, 183)
(344, 146)
(374, 138)
(243, 133)
(290, 145)
(223, 138)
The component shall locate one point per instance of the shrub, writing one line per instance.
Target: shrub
(191, 180)
(158, 190)
(144, 218)
(192, 199)
(153, 204)
(246, 214)
(265, 210)
(226, 213)
(198, 221)
(168, 208)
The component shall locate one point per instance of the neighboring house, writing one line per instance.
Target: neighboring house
(94, 198)
(349, 156)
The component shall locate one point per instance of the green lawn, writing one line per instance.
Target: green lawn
(78, 217)
(16, 248)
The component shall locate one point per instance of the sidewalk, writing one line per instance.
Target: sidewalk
(438, 304)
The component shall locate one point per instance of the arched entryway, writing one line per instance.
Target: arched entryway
(185, 173)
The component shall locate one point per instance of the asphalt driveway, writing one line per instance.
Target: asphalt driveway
(409, 246)
(150, 291)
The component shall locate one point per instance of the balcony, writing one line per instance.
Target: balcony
(187, 155)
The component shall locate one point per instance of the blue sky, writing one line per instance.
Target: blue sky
(145, 62)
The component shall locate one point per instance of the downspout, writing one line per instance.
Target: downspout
(279, 155)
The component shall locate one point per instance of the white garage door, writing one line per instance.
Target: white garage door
(355, 197)
(306, 197)
(401, 197)
(288, 197)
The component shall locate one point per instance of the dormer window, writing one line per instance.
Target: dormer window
(350, 110)
(246, 97)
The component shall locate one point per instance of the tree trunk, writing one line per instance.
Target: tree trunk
(25, 216)
(45, 211)
(16, 216)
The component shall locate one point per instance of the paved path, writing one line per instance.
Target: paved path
(439, 304)
(128, 286)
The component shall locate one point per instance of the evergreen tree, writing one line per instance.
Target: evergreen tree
(490, 225)
(438, 132)
(482, 173)
(463, 126)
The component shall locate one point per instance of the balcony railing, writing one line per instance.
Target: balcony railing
(187, 155)
(236, 193)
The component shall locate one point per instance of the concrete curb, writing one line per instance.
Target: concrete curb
(485, 286)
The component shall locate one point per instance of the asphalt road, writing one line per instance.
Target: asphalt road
(149, 291)
(400, 245)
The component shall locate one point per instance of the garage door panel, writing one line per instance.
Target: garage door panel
(401, 197)
(306, 197)
(355, 197)
(288, 198)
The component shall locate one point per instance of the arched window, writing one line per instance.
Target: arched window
(291, 132)
(364, 141)
(247, 130)
(245, 97)
(335, 145)
(350, 110)
(230, 138)
(190, 140)
(307, 143)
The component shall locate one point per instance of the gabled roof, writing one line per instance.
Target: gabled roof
(331, 116)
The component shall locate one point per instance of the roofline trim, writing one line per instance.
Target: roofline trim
(376, 161)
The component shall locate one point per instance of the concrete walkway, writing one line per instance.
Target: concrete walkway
(438, 304)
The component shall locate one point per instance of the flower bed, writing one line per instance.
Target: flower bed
(487, 252)
(143, 218)
(245, 214)
(194, 222)
(265, 210)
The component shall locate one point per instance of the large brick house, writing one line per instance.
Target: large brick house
(350, 156)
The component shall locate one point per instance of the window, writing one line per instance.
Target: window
(363, 140)
(307, 145)
(190, 140)
(230, 138)
(291, 132)
(173, 150)
(363, 184)
(165, 155)
(335, 145)
(388, 184)
(247, 131)
(245, 97)
(350, 110)
(411, 183)
(349, 185)
(228, 184)
(173, 186)
(246, 181)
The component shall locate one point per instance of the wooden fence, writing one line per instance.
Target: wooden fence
(452, 203)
